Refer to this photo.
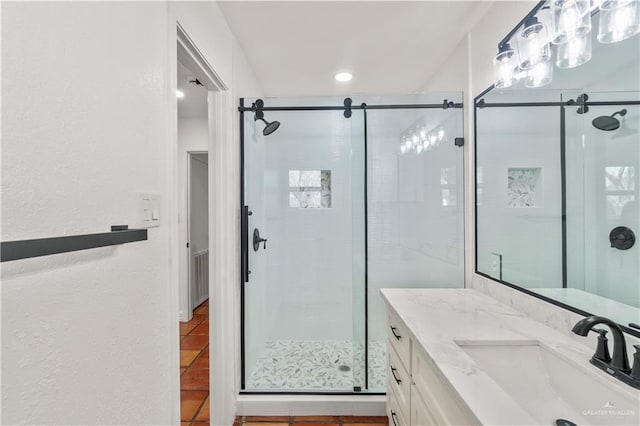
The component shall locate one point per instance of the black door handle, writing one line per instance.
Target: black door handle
(257, 239)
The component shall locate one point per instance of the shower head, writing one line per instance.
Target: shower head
(270, 127)
(608, 122)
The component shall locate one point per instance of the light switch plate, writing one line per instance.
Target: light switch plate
(149, 210)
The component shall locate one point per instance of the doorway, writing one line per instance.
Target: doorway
(193, 218)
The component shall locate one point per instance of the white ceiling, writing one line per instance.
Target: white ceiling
(295, 48)
(194, 103)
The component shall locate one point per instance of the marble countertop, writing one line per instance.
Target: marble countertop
(437, 318)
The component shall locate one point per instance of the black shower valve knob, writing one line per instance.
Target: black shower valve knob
(622, 238)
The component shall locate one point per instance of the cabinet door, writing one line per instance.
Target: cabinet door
(420, 414)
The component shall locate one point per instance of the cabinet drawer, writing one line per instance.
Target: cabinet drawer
(398, 336)
(396, 413)
(398, 379)
(442, 402)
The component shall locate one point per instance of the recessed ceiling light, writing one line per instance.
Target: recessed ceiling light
(343, 76)
(179, 94)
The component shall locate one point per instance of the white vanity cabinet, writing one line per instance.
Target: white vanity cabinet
(417, 394)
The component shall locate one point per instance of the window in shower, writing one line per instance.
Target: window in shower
(310, 189)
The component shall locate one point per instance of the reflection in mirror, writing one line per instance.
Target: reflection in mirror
(557, 183)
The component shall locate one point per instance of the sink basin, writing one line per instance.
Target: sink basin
(550, 387)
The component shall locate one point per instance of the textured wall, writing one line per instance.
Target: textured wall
(85, 335)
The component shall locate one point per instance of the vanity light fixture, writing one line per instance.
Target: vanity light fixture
(343, 77)
(619, 20)
(505, 67)
(563, 26)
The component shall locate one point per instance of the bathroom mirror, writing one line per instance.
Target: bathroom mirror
(557, 183)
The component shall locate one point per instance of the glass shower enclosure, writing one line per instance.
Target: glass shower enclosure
(343, 198)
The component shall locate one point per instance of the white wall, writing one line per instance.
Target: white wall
(91, 337)
(86, 335)
(193, 136)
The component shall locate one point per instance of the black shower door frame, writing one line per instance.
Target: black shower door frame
(347, 107)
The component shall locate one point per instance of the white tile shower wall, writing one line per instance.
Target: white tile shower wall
(310, 250)
(529, 238)
(415, 240)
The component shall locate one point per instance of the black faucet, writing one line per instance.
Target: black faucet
(618, 364)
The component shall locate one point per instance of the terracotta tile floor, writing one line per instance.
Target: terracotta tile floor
(194, 384)
(311, 421)
(194, 368)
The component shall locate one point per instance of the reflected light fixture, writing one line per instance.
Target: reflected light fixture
(619, 20)
(533, 44)
(565, 26)
(343, 77)
(574, 52)
(179, 94)
(570, 19)
(505, 67)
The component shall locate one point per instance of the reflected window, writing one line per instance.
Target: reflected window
(448, 186)
(310, 189)
(479, 186)
(620, 185)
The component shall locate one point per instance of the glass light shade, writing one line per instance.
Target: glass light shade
(533, 45)
(505, 65)
(540, 75)
(574, 52)
(619, 20)
(570, 19)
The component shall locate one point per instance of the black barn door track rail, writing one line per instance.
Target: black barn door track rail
(24, 249)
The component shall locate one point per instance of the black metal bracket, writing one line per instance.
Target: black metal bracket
(459, 142)
(256, 107)
(347, 107)
(582, 101)
(24, 249)
(446, 104)
(480, 103)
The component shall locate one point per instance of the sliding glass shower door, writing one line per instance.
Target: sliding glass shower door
(337, 204)
(301, 189)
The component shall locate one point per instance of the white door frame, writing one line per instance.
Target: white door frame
(223, 257)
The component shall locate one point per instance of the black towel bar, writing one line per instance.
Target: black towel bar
(23, 249)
